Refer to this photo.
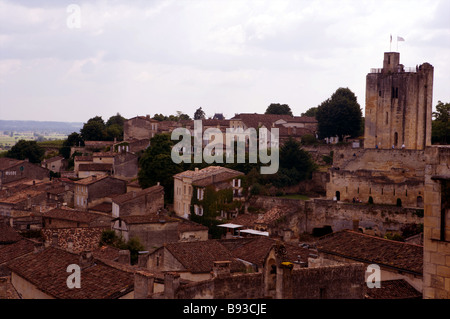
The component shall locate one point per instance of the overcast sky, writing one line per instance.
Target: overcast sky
(226, 56)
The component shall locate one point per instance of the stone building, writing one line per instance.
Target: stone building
(398, 105)
(436, 267)
(390, 168)
(140, 128)
(55, 164)
(148, 201)
(279, 279)
(44, 275)
(12, 170)
(396, 260)
(94, 190)
(216, 176)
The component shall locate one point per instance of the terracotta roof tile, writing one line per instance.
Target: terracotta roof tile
(199, 256)
(8, 234)
(372, 249)
(393, 289)
(147, 219)
(91, 179)
(95, 167)
(17, 249)
(72, 215)
(47, 270)
(122, 198)
(255, 249)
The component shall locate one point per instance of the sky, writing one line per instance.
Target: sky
(73, 60)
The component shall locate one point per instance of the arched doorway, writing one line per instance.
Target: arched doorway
(395, 139)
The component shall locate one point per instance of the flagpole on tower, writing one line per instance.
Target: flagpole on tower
(390, 44)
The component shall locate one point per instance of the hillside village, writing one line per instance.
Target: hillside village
(381, 203)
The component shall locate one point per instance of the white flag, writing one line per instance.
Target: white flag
(400, 39)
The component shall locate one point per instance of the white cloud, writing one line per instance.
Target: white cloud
(146, 57)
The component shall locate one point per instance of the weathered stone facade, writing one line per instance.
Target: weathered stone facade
(436, 266)
(305, 216)
(139, 128)
(398, 105)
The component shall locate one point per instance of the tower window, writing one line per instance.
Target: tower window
(387, 118)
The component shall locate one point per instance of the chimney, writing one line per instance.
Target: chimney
(86, 259)
(171, 284)
(221, 269)
(70, 245)
(54, 242)
(142, 259)
(3, 288)
(143, 284)
(124, 257)
(38, 248)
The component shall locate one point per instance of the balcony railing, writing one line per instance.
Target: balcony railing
(400, 70)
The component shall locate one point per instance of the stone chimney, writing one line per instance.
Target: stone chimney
(143, 284)
(171, 284)
(124, 257)
(86, 259)
(221, 269)
(54, 240)
(38, 248)
(70, 245)
(143, 259)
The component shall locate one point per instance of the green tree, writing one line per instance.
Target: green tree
(276, 108)
(116, 120)
(199, 114)
(156, 165)
(310, 112)
(296, 164)
(339, 115)
(94, 129)
(440, 126)
(26, 150)
(74, 139)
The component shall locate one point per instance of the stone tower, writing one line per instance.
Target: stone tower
(398, 105)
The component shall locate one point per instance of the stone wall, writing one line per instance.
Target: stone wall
(317, 213)
(436, 268)
(386, 176)
(154, 235)
(398, 105)
(329, 282)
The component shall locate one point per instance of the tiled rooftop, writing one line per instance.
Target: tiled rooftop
(17, 249)
(91, 179)
(203, 176)
(72, 215)
(123, 198)
(255, 249)
(393, 289)
(47, 270)
(8, 234)
(372, 249)
(199, 256)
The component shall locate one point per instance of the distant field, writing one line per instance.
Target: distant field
(8, 141)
